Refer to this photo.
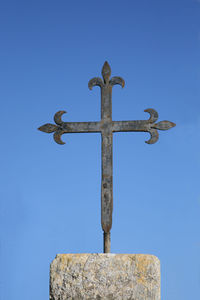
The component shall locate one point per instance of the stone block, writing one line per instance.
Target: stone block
(105, 276)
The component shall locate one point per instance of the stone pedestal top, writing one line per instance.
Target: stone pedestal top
(105, 276)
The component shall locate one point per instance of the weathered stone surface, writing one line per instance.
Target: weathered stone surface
(105, 276)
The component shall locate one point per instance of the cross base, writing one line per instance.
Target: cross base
(105, 276)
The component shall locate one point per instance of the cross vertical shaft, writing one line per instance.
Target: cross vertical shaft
(107, 159)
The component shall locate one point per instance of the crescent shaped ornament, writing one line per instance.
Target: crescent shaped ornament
(154, 136)
(153, 115)
(117, 80)
(57, 137)
(58, 115)
(96, 81)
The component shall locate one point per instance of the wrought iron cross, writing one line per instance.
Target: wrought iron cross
(106, 127)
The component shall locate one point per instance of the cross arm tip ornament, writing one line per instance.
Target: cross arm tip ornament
(57, 129)
(162, 125)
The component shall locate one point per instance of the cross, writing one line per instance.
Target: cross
(106, 127)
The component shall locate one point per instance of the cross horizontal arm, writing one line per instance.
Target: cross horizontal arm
(119, 126)
(144, 125)
(73, 127)
(68, 127)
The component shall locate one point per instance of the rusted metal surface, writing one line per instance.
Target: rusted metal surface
(106, 242)
(106, 127)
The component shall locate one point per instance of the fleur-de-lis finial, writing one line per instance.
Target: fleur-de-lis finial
(106, 73)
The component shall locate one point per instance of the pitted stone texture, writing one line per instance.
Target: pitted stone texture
(105, 276)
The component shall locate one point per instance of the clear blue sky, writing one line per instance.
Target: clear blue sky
(50, 194)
